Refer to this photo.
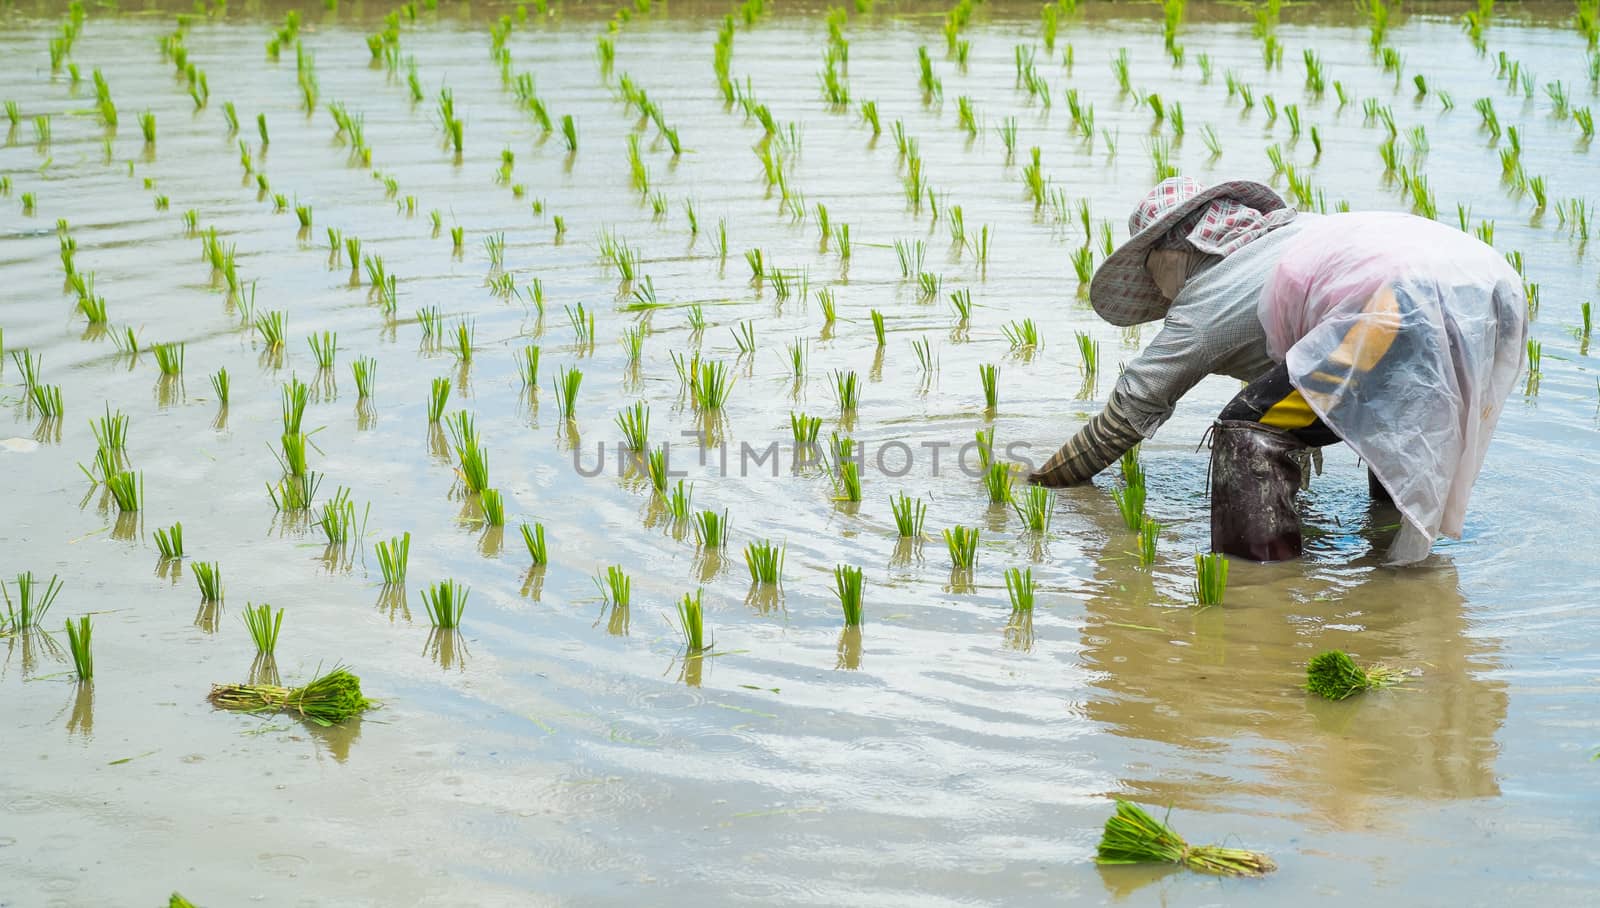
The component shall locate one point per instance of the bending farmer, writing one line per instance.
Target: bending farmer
(1392, 333)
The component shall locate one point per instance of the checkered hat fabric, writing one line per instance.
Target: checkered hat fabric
(1123, 292)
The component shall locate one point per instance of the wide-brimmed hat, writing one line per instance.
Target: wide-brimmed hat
(1122, 292)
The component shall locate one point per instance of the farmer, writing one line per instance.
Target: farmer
(1392, 333)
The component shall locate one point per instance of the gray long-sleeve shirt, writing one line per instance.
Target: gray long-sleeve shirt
(1212, 328)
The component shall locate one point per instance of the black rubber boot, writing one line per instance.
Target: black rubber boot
(1253, 482)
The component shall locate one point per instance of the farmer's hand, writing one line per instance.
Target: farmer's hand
(1096, 446)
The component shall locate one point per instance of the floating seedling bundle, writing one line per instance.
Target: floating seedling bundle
(1135, 837)
(1335, 676)
(326, 699)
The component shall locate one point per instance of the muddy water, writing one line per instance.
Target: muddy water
(558, 751)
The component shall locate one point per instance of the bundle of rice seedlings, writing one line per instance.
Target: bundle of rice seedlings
(1149, 532)
(78, 642)
(566, 384)
(634, 424)
(438, 398)
(326, 699)
(445, 603)
(263, 626)
(1134, 837)
(990, 376)
(1036, 508)
(998, 480)
(1335, 676)
(127, 488)
(615, 586)
(177, 900)
(847, 388)
(364, 369)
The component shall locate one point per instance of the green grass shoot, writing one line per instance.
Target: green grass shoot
(472, 457)
(78, 640)
(324, 347)
(220, 384)
(1019, 586)
(805, 428)
(264, 627)
(989, 374)
(847, 585)
(110, 430)
(1210, 578)
(999, 481)
(528, 365)
(169, 542)
(877, 327)
(393, 556)
(445, 602)
(533, 537)
(270, 327)
(1149, 533)
(292, 404)
(634, 424)
(1335, 676)
(1035, 508)
(711, 529)
(963, 544)
(438, 399)
(615, 586)
(1130, 504)
(364, 369)
(127, 487)
(169, 357)
(29, 608)
(847, 390)
(765, 561)
(567, 383)
(909, 515)
(208, 576)
(691, 621)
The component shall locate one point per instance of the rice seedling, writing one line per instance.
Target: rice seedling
(494, 507)
(472, 457)
(1022, 335)
(710, 386)
(989, 375)
(877, 327)
(745, 336)
(765, 562)
(465, 335)
(566, 384)
(1134, 837)
(1211, 578)
(30, 201)
(78, 642)
(848, 585)
(582, 322)
(1149, 533)
(805, 428)
(127, 488)
(169, 542)
(963, 545)
(270, 327)
(828, 304)
(1019, 587)
(293, 399)
(569, 133)
(264, 627)
(1333, 675)
(325, 700)
(338, 519)
(533, 538)
(691, 621)
(711, 529)
(848, 478)
(111, 430)
(47, 398)
(998, 481)
(634, 424)
(208, 576)
(393, 557)
(961, 303)
(295, 492)
(29, 608)
(847, 390)
(1035, 508)
(324, 347)
(983, 440)
(697, 318)
(445, 602)
(147, 125)
(438, 397)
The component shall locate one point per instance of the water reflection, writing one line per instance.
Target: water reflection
(533, 583)
(849, 648)
(447, 647)
(208, 616)
(392, 602)
(80, 719)
(1224, 685)
(28, 645)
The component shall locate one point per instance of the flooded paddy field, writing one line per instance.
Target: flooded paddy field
(720, 192)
